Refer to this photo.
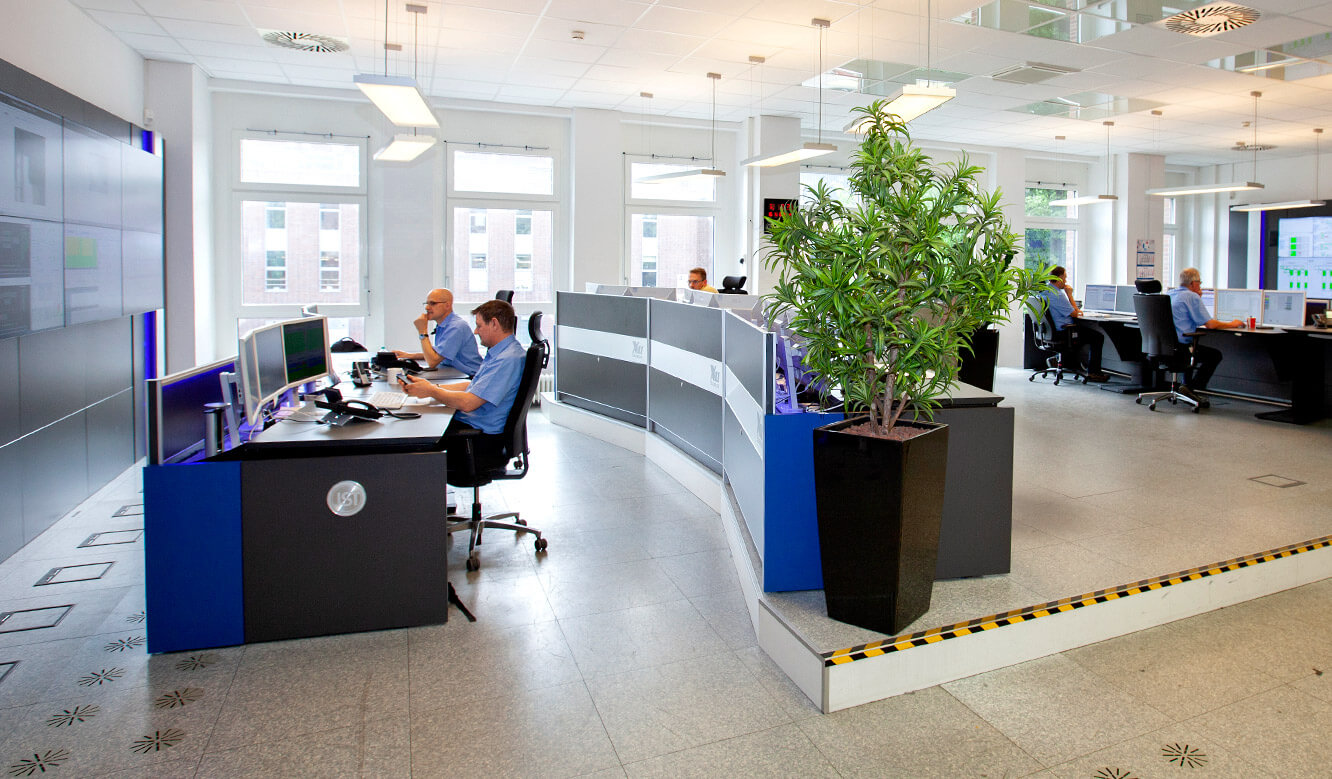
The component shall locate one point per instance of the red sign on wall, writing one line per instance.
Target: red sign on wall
(774, 207)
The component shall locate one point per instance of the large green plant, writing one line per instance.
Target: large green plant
(887, 289)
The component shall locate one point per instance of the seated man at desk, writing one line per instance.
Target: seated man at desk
(1191, 315)
(1063, 310)
(484, 402)
(698, 281)
(452, 344)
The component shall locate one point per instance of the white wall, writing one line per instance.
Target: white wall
(55, 41)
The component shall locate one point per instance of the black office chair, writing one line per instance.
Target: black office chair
(1148, 286)
(515, 453)
(733, 285)
(1064, 354)
(1161, 346)
(504, 294)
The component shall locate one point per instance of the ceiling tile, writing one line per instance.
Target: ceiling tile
(610, 12)
(659, 42)
(663, 19)
(195, 10)
(203, 31)
(119, 22)
(576, 51)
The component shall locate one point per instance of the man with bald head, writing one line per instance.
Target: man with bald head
(452, 344)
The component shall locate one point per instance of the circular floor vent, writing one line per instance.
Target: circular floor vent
(1212, 19)
(305, 41)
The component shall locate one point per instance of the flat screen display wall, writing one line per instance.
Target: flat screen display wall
(80, 223)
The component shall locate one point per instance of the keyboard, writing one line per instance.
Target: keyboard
(388, 400)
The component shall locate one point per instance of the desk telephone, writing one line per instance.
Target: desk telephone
(340, 411)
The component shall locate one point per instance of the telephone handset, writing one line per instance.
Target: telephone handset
(340, 411)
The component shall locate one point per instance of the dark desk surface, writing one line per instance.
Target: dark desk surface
(385, 430)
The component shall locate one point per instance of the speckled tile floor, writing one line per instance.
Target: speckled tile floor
(627, 649)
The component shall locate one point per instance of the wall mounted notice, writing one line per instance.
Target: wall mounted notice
(1146, 259)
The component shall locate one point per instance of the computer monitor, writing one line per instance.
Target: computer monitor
(1124, 298)
(661, 293)
(280, 356)
(1099, 297)
(1283, 309)
(1312, 307)
(176, 423)
(1208, 299)
(1238, 304)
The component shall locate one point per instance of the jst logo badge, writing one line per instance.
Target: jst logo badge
(346, 498)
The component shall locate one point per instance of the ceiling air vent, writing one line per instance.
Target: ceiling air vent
(1031, 73)
(305, 41)
(1211, 19)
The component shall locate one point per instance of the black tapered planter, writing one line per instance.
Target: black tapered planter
(880, 504)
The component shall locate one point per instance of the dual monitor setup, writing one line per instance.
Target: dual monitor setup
(271, 361)
(1280, 308)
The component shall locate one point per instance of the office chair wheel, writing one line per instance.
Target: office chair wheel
(1138, 401)
(1032, 377)
(540, 544)
(1152, 407)
(473, 562)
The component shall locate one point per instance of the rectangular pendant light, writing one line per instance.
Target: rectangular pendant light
(910, 102)
(1205, 189)
(803, 152)
(682, 174)
(1278, 206)
(405, 148)
(1085, 200)
(398, 98)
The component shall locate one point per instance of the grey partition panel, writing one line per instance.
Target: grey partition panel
(685, 379)
(744, 470)
(750, 357)
(9, 391)
(110, 437)
(51, 379)
(11, 511)
(106, 352)
(976, 535)
(749, 396)
(601, 354)
(55, 473)
(138, 345)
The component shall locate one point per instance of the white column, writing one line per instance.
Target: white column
(767, 134)
(596, 246)
(1008, 172)
(1138, 215)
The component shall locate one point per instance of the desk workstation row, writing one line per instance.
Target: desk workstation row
(706, 381)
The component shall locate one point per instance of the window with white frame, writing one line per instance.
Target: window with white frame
(1052, 234)
(671, 224)
(502, 211)
(301, 225)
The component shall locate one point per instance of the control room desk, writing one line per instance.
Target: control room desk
(1292, 359)
(306, 530)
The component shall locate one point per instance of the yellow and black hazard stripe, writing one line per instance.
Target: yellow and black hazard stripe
(993, 621)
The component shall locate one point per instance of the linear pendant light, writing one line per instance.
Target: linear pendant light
(805, 150)
(1087, 200)
(405, 148)
(912, 101)
(397, 97)
(1232, 186)
(713, 171)
(1318, 158)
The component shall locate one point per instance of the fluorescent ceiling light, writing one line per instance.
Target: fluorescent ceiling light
(1276, 206)
(1205, 189)
(909, 102)
(398, 98)
(803, 152)
(1085, 200)
(681, 174)
(405, 148)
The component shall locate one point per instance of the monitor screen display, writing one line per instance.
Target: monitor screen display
(1304, 254)
(1238, 304)
(1099, 297)
(1209, 299)
(32, 282)
(31, 145)
(1283, 308)
(306, 345)
(271, 362)
(92, 273)
(177, 426)
(248, 367)
(1124, 298)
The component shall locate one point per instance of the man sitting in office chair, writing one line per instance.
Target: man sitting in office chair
(484, 402)
(1191, 315)
(698, 281)
(452, 345)
(1063, 310)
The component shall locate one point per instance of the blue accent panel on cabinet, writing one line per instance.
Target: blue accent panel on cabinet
(192, 552)
(791, 535)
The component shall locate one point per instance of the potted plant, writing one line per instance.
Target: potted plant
(885, 289)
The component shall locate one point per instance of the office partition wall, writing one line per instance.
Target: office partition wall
(601, 354)
(685, 378)
(749, 352)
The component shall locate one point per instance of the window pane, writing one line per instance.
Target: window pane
(300, 162)
(1168, 260)
(502, 256)
(1038, 202)
(475, 171)
(302, 261)
(665, 246)
(700, 189)
(1050, 247)
(837, 183)
(1168, 210)
(338, 327)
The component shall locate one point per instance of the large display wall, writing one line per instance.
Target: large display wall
(81, 260)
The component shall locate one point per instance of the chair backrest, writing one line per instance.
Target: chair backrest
(534, 331)
(1148, 286)
(504, 294)
(1044, 332)
(1156, 323)
(515, 426)
(733, 285)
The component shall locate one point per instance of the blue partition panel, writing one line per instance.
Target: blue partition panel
(791, 543)
(192, 555)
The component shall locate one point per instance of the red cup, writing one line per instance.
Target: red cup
(1253, 323)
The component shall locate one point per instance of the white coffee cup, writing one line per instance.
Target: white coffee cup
(392, 375)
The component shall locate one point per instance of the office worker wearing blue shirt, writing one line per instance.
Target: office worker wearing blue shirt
(452, 345)
(1063, 310)
(1191, 315)
(484, 402)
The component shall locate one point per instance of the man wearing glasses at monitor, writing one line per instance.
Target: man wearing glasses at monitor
(452, 344)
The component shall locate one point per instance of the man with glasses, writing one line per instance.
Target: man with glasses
(452, 344)
(698, 280)
(1191, 316)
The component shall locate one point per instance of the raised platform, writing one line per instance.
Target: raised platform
(839, 666)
